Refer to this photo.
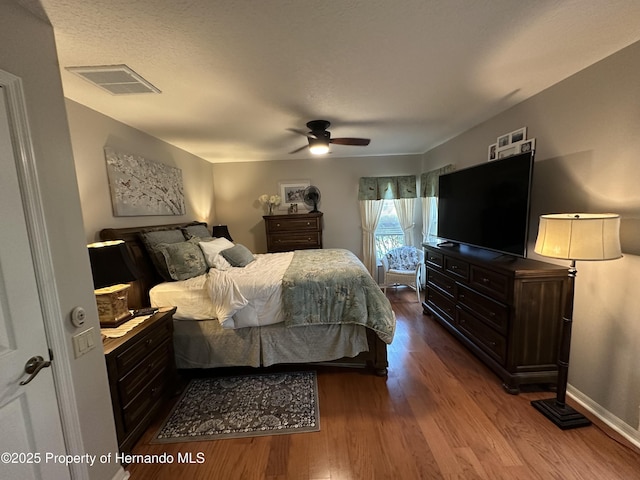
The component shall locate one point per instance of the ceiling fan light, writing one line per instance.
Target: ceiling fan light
(318, 146)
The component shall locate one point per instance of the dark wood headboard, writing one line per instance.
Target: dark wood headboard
(139, 292)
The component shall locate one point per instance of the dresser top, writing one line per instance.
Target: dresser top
(293, 215)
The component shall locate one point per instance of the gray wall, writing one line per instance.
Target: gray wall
(586, 160)
(238, 186)
(91, 132)
(28, 51)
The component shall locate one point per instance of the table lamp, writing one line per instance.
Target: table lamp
(112, 268)
(573, 236)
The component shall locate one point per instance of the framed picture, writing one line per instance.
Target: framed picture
(508, 151)
(518, 135)
(292, 192)
(527, 145)
(491, 154)
(503, 140)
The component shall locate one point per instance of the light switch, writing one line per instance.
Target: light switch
(83, 342)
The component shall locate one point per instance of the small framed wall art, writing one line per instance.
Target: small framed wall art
(292, 192)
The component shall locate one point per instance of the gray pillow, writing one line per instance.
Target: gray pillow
(183, 260)
(151, 241)
(196, 231)
(238, 255)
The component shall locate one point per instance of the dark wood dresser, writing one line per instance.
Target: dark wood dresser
(506, 310)
(142, 375)
(293, 232)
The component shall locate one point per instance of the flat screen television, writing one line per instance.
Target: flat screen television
(487, 205)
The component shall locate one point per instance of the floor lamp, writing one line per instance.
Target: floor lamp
(573, 236)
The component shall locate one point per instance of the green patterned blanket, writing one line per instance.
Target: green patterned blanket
(333, 286)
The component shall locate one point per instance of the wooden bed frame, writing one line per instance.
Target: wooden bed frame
(375, 358)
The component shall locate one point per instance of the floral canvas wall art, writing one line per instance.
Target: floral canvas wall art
(141, 187)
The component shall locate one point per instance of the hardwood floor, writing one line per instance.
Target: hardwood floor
(440, 414)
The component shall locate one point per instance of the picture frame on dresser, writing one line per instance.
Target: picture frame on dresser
(292, 192)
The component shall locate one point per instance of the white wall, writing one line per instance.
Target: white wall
(588, 141)
(28, 51)
(91, 132)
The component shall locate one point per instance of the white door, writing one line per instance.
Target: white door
(29, 417)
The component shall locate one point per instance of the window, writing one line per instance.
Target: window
(389, 233)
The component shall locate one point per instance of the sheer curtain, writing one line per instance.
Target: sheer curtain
(371, 192)
(405, 208)
(370, 211)
(429, 195)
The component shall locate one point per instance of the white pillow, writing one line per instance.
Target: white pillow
(212, 249)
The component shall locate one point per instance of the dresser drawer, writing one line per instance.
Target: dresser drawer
(485, 337)
(434, 259)
(135, 381)
(143, 347)
(145, 402)
(493, 313)
(494, 284)
(293, 224)
(295, 241)
(442, 304)
(457, 268)
(443, 283)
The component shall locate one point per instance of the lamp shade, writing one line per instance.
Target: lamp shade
(579, 236)
(111, 264)
(220, 231)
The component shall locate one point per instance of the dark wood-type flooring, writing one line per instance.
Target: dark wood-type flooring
(440, 414)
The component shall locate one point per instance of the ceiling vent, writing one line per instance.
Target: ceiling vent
(115, 79)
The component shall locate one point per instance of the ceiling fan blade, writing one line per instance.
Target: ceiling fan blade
(301, 132)
(362, 142)
(299, 149)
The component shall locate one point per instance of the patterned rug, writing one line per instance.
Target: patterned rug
(244, 406)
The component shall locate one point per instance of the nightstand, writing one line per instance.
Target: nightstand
(142, 374)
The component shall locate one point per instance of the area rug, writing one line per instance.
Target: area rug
(244, 406)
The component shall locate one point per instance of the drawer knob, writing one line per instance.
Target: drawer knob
(485, 280)
(149, 342)
(454, 267)
(308, 224)
(277, 224)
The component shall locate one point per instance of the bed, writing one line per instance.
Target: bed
(307, 306)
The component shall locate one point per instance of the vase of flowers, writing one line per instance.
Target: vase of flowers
(270, 201)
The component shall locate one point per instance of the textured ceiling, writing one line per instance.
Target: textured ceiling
(409, 74)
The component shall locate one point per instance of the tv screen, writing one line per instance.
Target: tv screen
(487, 205)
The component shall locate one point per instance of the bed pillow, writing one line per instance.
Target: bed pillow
(183, 260)
(199, 231)
(211, 250)
(238, 255)
(152, 239)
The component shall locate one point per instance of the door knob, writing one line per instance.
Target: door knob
(33, 367)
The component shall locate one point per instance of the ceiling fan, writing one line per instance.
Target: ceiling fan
(319, 138)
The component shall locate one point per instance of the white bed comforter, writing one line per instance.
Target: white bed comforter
(250, 296)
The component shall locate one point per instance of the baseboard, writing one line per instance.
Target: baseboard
(626, 431)
(121, 474)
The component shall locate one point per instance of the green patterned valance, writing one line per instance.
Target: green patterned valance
(429, 181)
(378, 188)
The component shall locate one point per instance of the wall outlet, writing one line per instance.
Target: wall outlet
(83, 342)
